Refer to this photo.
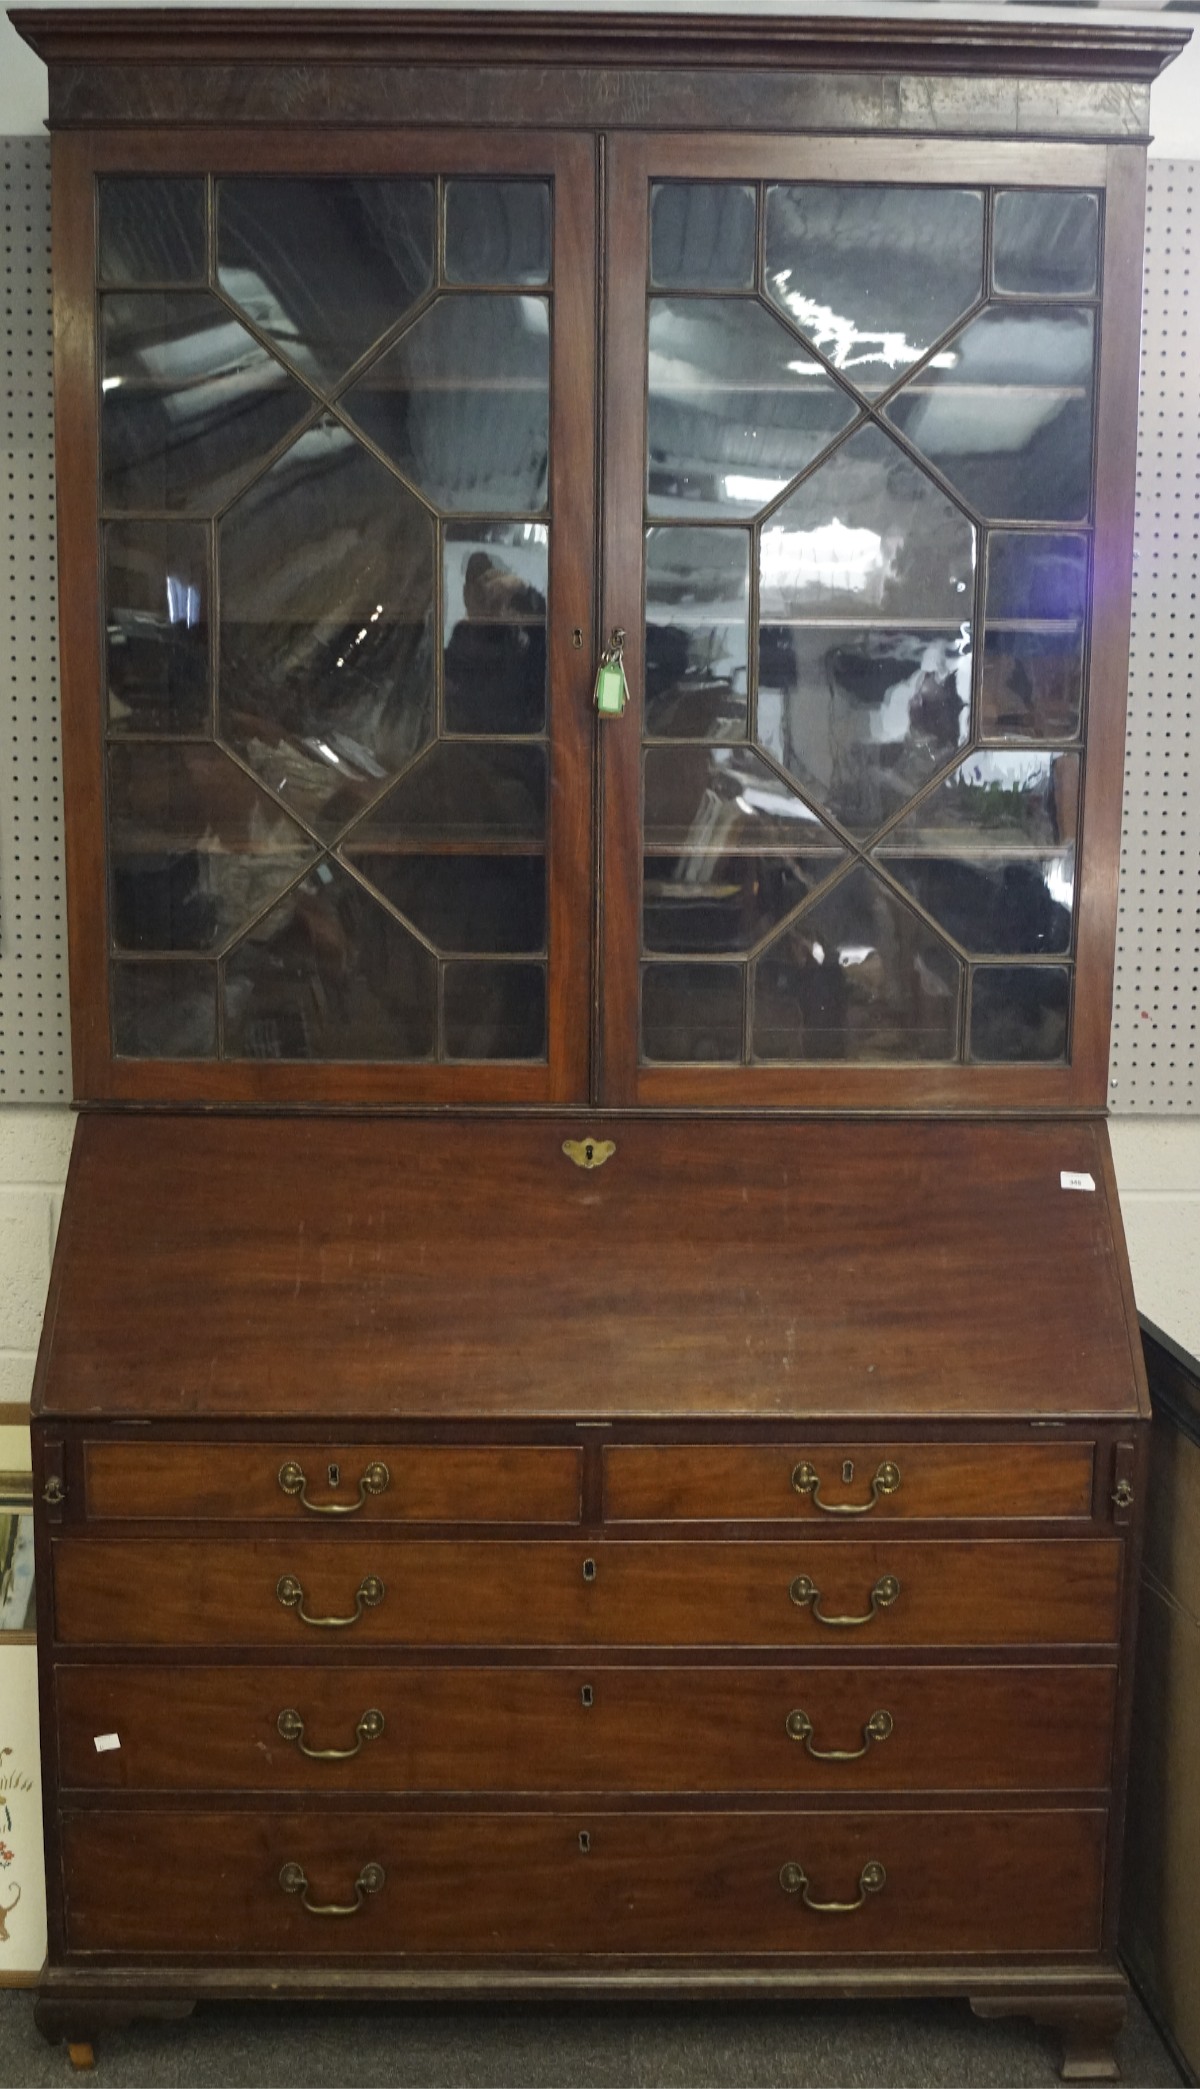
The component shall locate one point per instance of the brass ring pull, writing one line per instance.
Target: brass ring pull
(370, 1879)
(291, 1726)
(805, 1593)
(806, 1480)
(871, 1879)
(293, 1481)
(799, 1727)
(369, 1592)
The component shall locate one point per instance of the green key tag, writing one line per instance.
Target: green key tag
(612, 693)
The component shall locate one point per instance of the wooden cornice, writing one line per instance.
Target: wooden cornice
(365, 36)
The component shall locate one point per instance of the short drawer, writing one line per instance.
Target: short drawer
(490, 1729)
(590, 1881)
(833, 1484)
(326, 1484)
(323, 1594)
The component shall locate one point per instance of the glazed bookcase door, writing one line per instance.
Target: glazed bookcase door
(342, 500)
(865, 521)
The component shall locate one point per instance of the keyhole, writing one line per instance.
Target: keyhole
(335, 1475)
(847, 1470)
(586, 1695)
(577, 638)
(585, 1841)
(589, 1570)
(589, 1150)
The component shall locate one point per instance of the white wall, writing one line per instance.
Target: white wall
(1175, 102)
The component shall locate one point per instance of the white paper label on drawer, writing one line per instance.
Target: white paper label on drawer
(1071, 1181)
(103, 1742)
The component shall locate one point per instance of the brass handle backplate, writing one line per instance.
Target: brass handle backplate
(799, 1727)
(369, 1592)
(291, 1726)
(806, 1480)
(871, 1879)
(293, 1880)
(292, 1479)
(589, 1153)
(805, 1593)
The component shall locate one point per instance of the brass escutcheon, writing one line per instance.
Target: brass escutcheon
(805, 1594)
(589, 1153)
(369, 1592)
(798, 1727)
(806, 1480)
(293, 1481)
(871, 1879)
(291, 1726)
(292, 1878)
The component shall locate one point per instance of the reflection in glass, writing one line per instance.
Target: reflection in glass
(324, 267)
(497, 232)
(156, 597)
(722, 800)
(1019, 1012)
(462, 403)
(1006, 413)
(999, 798)
(862, 716)
(1045, 241)
(692, 1012)
(164, 1011)
(196, 849)
(721, 904)
(151, 229)
(327, 602)
(460, 794)
(872, 276)
(495, 1011)
(1032, 684)
(462, 902)
(702, 235)
(737, 407)
(697, 606)
(329, 974)
(859, 976)
(994, 904)
(191, 403)
(494, 590)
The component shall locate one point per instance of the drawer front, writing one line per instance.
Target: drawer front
(835, 1484)
(587, 1882)
(380, 1591)
(587, 1729)
(319, 1485)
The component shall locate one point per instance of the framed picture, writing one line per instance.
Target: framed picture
(16, 1552)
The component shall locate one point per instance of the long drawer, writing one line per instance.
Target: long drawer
(479, 1729)
(587, 1882)
(837, 1483)
(378, 1591)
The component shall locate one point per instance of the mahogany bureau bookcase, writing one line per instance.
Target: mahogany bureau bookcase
(590, 1421)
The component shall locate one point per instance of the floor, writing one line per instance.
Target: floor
(816, 2046)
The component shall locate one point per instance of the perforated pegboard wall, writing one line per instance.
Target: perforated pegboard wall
(1156, 1011)
(1156, 1005)
(34, 1054)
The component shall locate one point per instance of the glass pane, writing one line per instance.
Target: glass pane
(995, 904)
(737, 407)
(323, 268)
(1046, 241)
(463, 902)
(999, 799)
(151, 230)
(494, 1011)
(873, 276)
(720, 904)
(191, 402)
(156, 590)
(196, 848)
(494, 590)
(692, 1012)
(329, 974)
(164, 1011)
(1006, 412)
(697, 641)
(1032, 684)
(327, 603)
(497, 232)
(462, 794)
(723, 799)
(702, 236)
(462, 403)
(1020, 1012)
(860, 976)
